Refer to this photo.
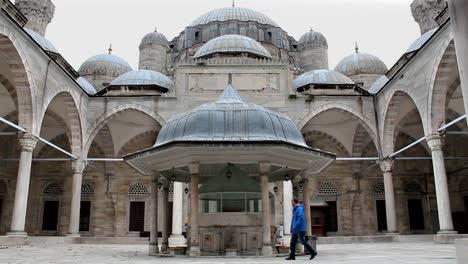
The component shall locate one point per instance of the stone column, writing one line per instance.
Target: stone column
(78, 167)
(194, 236)
(306, 193)
(459, 19)
(387, 166)
(165, 218)
(267, 249)
(27, 143)
(153, 244)
(440, 179)
(287, 210)
(177, 239)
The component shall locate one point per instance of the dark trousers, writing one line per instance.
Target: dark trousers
(301, 237)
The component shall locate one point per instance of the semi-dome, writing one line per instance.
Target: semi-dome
(154, 38)
(419, 42)
(378, 85)
(321, 77)
(87, 86)
(314, 38)
(361, 63)
(232, 44)
(144, 78)
(230, 119)
(42, 41)
(106, 64)
(233, 14)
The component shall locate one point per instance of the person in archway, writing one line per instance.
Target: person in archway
(298, 230)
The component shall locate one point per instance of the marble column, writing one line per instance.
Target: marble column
(27, 143)
(153, 244)
(287, 211)
(177, 239)
(267, 249)
(440, 179)
(459, 19)
(387, 167)
(165, 218)
(194, 197)
(78, 167)
(306, 194)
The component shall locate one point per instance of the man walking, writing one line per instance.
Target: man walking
(298, 230)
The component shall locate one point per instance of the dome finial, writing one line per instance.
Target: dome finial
(356, 48)
(155, 29)
(233, 3)
(110, 49)
(311, 28)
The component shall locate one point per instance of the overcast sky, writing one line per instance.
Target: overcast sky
(83, 28)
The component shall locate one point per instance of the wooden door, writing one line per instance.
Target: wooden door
(50, 215)
(137, 216)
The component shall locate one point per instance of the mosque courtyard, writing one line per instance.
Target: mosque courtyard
(363, 253)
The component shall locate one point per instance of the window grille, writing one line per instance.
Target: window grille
(413, 187)
(138, 189)
(328, 188)
(87, 190)
(379, 188)
(53, 189)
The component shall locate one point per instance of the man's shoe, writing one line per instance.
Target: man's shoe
(290, 258)
(313, 256)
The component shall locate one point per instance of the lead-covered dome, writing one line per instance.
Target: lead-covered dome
(87, 86)
(321, 77)
(233, 14)
(232, 44)
(230, 119)
(42, 41)
(361, 63)
(154, 38)
(313, 38)
(146, 78)
(378, 85)
(419, 42)
(104, 64)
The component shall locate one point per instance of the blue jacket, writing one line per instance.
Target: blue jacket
(298, 223)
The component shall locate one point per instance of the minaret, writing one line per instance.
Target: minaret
(38, 12)
(426, 11)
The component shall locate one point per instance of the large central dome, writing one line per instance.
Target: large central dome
(233, 13)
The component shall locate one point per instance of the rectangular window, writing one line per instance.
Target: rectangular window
(137, 216)
(85, 215)
(50, 216)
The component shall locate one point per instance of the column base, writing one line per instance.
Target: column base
(177, 241)
(267, 251)
(17, 234)
(164, 247)
(445, 237)
(287, 240)
(391, 233)
(73, 235)
(194, 251)
(153, 250)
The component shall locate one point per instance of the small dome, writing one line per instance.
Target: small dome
(154, 38)
(106, 64)
(232, 44)
(378, 85)
(361, 63)
(230, 119)
(87, 86)
(321, 77)
(418, 43)
(144, 78)
(314, 38)
(42, 41)
(233, 14)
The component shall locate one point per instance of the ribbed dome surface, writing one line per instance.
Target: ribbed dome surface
(419, 42)
(233, 13)
(321, 77)
(143, 78)
(87, 86)
(230, 119)
(45, 43)
(154, 38)
(106, 64)
(361, 63)
(232, 44)
(313, 37)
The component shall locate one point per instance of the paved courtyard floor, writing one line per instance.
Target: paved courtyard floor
(378, 253)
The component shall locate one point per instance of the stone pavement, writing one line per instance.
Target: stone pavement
(377, 253)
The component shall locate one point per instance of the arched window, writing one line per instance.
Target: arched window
(243, 31)
(197, 36)
(53, 189)
(138, 189)
(328, 188)
(414, 188)
(87, 190)
(261, 35)
(379, 188)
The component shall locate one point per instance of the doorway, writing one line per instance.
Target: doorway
(137, 217)
(85, 215)
(50, 215)
(381, 215)
(1, 210)
(331, 217)
(415, 214)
